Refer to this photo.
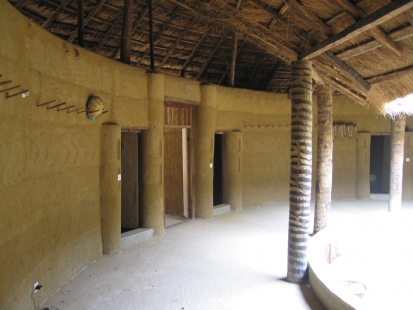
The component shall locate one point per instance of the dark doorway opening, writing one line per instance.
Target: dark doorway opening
(218, 168)
(380, 164)
(130, 180)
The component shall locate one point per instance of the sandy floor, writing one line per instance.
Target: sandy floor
(233, 261)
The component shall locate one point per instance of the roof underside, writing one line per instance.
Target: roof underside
(195, 39)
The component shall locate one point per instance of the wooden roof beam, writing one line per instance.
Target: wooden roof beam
(86, 20)
(409, 16)
(126, 41)
(233, 59)
(375, 32)
(80, 5)
(396, 36)
(229, 66)
(305, 12)
(380, 16)
(391, 75)
(224, 36)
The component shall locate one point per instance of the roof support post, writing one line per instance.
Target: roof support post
(396, 163)
(151, 34)
(125, 52)
(233, 59)
(300, 169)
(324, 157)
(80, 23)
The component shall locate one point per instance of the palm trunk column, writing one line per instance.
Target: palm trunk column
(396, 163)
(301, 169)
(324, 157)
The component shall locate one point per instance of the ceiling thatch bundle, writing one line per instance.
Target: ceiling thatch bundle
(363, 49)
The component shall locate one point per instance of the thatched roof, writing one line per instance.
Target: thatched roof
(364, 49)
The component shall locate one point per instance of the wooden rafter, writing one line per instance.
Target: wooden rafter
(229, 66)
(409, 16)
(20, 4)
(194, 50)
(305, 12)
(126, 41)
(396, 36)
(80, 23)
(135, 27)
(177, 42)
(380, 16)
(206, 64)
(391, 75)
(87, 19)
(375, 32)
(51, 18)
(103, 40)
(158, 35)
(272, 74)
(233, 59)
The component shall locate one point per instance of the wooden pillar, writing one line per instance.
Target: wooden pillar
(205, 116)
(153, 157)
(363, 166)
(232, 169)
(151, 51)
(125, 51)
(324, 157)
(301, 169)
(110, 188)
(80, 23)
(396, 163)
(408, 167)
(233, 60)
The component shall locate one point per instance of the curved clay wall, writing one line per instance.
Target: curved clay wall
(50, 161)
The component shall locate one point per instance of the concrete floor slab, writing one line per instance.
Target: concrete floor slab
(234, 261)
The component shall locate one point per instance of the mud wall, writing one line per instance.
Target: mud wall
(50, 226)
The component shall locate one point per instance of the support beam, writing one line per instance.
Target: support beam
(52, 17)
(273, 74)
(233, 59)
(396, 36)
(86, 20)
(126, 42)
(396, 163)
(301, 169)
(229, 66)
(324, 157)
(80, 23)
(375, 32)
(224, 36)
(380, 16)
(151, 52)
(314, 19)
(391, 76)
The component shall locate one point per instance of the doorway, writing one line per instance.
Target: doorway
(218, 168)
(178, 164)
(130, 180)
(380, 164)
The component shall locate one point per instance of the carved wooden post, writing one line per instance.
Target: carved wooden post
(301, 169)
(396, 163)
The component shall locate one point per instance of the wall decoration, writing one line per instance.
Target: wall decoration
(94, 108)
(343, 130)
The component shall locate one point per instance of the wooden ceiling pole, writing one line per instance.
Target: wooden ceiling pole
(375, 32)
(20, 4)
(229, 66)
(51, 18)
(151, 35)
(273, 74)
(397, 35)
(409, 16)
(233, 60)
(135, 26)
(380, 16)
(391, 75)
(158, 35)
(86, 20)
(80, 23)
(126, 42)
(224, 36)
(302, 10)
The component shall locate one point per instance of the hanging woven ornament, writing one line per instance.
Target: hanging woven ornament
(94, 108)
